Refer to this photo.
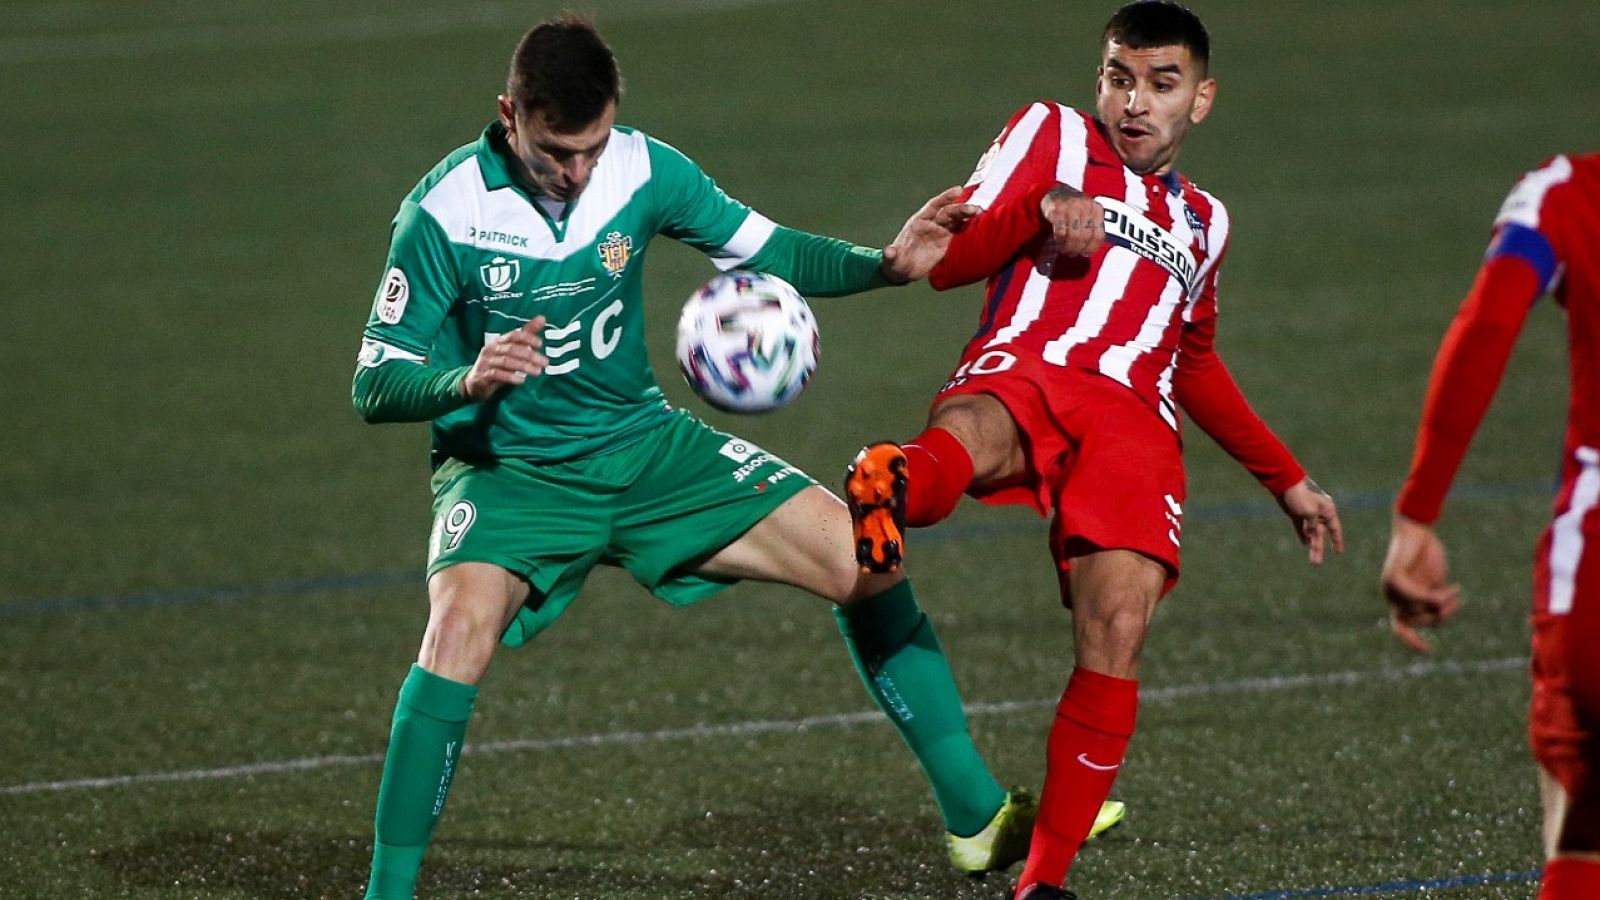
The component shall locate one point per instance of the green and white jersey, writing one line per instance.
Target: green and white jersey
(474, 254)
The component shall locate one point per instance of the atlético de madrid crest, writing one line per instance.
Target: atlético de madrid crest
(614, 252)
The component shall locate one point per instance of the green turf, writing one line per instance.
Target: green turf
(196, 208)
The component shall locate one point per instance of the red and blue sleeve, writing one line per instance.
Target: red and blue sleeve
(1520, 266)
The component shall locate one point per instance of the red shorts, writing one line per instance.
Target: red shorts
(1096, 454)
(1562, 744)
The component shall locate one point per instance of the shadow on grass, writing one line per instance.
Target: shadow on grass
(798, 846)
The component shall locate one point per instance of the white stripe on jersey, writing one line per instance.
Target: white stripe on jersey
(1116, 270)
(1117, 361)
(1133, 191)
(745, 243)
(1074, 155)
(1525, 201)
(1012, 150)
(1029, 304)
(459, 203)
(1566, 544)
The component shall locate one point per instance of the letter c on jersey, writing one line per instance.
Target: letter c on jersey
(603, 343)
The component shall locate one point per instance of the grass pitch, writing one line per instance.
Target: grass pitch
(207, 564)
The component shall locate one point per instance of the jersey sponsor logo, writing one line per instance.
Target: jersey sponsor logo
(614, 252)
(738, 450)
(1128, 228)
(500, 273)
(563, 344)
(496, 237)
(392, 296)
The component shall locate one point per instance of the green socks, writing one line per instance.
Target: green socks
(430, 721)
(898, 656)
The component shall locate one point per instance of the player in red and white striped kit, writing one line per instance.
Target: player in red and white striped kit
(1546, 240)
(1101, 262)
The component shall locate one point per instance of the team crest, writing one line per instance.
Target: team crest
(1197, 226)
(500, 273)
(614, 252)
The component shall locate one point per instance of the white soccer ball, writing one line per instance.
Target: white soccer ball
(747, 342)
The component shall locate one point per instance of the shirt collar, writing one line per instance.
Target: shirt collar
(494, 158)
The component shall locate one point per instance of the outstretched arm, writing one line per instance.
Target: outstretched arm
(820, 266)
(1466, 373)
(993, 237)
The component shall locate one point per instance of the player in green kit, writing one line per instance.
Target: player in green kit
(511, 316)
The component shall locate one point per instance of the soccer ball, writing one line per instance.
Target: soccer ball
(747, 342)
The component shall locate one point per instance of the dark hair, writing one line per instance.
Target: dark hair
(1160, 23)
(565, 70)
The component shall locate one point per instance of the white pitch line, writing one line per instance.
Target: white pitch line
(768, 726)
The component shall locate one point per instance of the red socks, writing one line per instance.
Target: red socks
(939, 469)
(1567, 878)
(1087, 742)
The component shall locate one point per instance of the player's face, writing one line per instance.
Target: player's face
(558, 163)
(1147, 99)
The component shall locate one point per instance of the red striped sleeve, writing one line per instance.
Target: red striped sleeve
(1466, 373)
(992, 239)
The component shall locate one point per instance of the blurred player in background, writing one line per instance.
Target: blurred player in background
(511, 317)
(1546, 240)
(1101, 263)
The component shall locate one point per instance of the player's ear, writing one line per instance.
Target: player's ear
(508, 113)
(1204, 96)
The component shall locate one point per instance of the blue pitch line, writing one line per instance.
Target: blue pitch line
(1394, 887)
(1216, 512)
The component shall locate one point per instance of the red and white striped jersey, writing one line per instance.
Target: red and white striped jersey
(1119, 312)
(1551, 220)
(1546, 240)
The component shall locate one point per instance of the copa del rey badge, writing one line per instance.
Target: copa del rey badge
(500, 273)
(614, 252)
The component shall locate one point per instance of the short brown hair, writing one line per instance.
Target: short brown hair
(1160, 23)
(565, 70)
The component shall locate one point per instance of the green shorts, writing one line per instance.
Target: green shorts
(657, 507)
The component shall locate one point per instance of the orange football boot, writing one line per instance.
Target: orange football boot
(875, 488)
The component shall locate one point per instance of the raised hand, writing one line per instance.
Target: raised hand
(1076, 219)
(511, 358)
(925, 237)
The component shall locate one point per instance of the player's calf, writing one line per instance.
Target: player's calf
(875, 489)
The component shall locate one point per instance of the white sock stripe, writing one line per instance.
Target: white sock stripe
(1264, 684)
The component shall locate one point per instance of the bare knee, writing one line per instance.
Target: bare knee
(469, 607)
(985, 428)
(1114, 596)
(1110, 634)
